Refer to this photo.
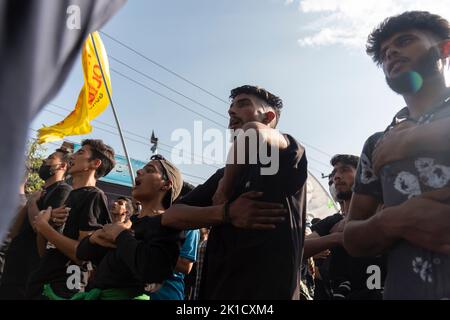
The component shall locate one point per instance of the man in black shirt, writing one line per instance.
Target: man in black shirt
(88, 211)
(346, 276)
(22, 257)
(145, 255)
(257, 218)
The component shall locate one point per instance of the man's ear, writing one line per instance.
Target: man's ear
(269, 116)
(64, 166)
(167, 185)
(96, 163)
(444, 48)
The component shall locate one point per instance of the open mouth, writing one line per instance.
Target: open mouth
(234, 122)
(396, 64)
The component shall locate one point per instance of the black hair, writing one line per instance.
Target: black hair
(421, 20)
(272, 100)
(348, 159)
(128, 205)
(65, 154)
(103, 152)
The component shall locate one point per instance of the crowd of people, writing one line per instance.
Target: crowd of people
(243, 234)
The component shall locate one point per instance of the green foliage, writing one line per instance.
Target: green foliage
(35, 155)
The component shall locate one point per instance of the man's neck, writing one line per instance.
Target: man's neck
(84, 179)
(53, 179)
(432, 92)
(345, 207)
(151, 207)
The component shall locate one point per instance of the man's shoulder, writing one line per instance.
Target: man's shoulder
(372, 140)
(291, 140)
(64, 186)
(87, 194)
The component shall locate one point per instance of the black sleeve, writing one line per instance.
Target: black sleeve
(324, 226)
(202, 195)
(94, 213)
(58, 196)
(366, 182)
(153, 259)
(87, 251)
(293, 166)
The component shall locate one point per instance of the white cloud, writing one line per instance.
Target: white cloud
(348, 22)
(288, 2)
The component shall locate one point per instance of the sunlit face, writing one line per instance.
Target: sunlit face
(149, 181)
(404, 50)
(245, 108)
(344, 177)
(81, 161)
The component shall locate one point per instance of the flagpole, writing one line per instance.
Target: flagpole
(130, 168)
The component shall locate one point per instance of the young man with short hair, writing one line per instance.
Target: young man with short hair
(412, 177)
(121, 210)
(23, 257)
(136, 258)
(258, 220)
(84, 211)
(346, 276)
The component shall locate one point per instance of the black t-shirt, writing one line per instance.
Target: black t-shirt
(255, 264)
(341, 266)
(22, 257)
(146, 254)
(88, 212)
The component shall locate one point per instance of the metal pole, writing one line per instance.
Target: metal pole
(130, 168)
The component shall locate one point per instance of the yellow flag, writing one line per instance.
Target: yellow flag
(92, 100)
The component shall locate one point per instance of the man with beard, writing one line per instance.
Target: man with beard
(407, 167)
(22, 257)
(257, 217)
(344, 277)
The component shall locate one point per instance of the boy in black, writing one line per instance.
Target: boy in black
(256, 240)
(84, 211)
(146, 254)
(22, 257)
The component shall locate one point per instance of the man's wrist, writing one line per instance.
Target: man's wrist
(389, 223)
(226, 212)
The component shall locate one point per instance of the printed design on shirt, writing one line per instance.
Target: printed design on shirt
(423, 268)
(407, 184)
(431, 174)
(367, 174)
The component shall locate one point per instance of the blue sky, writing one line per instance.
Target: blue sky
(309, 52)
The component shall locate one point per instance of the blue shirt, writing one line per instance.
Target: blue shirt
(173, 288)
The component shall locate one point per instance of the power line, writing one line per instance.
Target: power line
(184, 173)
(318, 161)
(161, 143)
(131, 139)
(163, 67)
(188, 81)
(132, 133)
(167, 98)
(167, 87)
(314, 148)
